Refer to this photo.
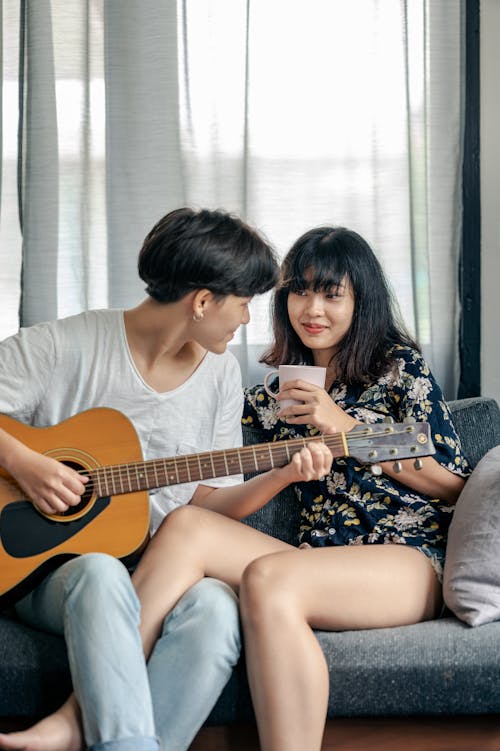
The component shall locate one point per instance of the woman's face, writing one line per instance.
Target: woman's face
(322, 319)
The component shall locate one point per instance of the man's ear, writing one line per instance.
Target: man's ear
(202, 300)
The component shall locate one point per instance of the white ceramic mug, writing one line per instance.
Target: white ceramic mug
(310, 373)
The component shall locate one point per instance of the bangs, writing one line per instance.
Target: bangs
(318, 269)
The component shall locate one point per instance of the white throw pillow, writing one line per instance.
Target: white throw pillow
(471, 585)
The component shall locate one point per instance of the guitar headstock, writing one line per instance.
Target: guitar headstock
(382, 442)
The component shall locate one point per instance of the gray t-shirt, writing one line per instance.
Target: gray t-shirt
(52, 371)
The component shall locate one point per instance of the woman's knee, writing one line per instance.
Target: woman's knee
(266, 590)
(182, 522)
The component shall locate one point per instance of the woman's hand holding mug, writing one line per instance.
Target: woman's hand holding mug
(304, 401)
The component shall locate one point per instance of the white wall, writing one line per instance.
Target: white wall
(490, 198)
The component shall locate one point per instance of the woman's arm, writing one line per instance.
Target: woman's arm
(433, 479)
(238, 501)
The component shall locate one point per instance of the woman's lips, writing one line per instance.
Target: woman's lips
(313, 328)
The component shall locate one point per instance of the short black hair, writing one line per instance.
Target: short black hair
(205, 249)
(321, 259)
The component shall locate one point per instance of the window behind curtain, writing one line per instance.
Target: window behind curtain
(289, 114)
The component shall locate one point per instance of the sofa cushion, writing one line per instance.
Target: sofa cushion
(430, 668)
(477, 422)
(471, 586)
(34, 671)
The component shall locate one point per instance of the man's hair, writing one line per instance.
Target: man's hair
(188, 250)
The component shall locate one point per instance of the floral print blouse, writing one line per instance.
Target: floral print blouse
(352, 506)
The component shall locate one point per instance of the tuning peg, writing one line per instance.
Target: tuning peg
(397, 467)
(388, 419)
(409, 420)
(376, 469)
(418, 464)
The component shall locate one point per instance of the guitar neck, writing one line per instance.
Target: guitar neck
(369, 444)
(157, 473)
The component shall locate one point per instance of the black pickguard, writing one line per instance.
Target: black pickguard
(24, 532)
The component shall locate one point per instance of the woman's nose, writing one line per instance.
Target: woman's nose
(315, 304)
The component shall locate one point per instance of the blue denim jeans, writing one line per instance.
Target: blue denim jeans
(126, 705)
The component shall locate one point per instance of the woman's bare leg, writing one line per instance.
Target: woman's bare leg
(192, 543)
(60, 731)
(284, 596)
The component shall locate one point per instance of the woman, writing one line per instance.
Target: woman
(371, 547)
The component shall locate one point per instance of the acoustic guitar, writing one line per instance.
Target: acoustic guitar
(113, 515)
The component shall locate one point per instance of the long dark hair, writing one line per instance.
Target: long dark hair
(205, 249)
(322, 259)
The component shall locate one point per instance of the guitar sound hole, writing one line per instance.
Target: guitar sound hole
(87, 493)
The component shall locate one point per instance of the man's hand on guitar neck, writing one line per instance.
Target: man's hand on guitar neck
(49, 484)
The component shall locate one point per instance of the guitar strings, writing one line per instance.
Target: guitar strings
(116, 471)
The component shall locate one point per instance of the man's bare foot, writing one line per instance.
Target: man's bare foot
(60, 731)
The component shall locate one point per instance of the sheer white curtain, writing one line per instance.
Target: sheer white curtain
(291, 114)
(10, 232)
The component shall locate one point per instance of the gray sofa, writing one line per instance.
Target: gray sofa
(441, 667)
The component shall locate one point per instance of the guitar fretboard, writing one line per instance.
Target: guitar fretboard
(157, 473)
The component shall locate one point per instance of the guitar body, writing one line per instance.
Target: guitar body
(32, 543)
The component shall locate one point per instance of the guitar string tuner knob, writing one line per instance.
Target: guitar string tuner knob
(389, 419)
(418, 464)
(409, 420)
(397, 467)
(376, 470)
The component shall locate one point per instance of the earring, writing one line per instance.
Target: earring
(199, 317)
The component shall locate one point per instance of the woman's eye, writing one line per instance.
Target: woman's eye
(333, 294)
